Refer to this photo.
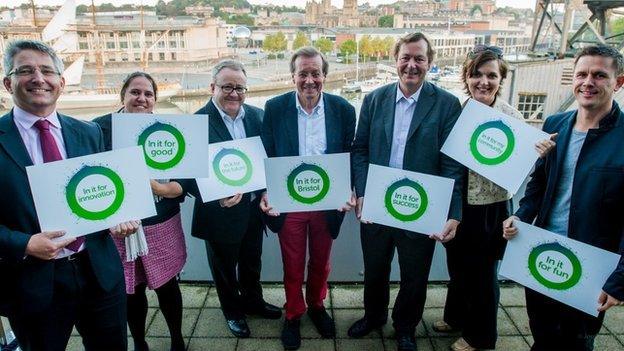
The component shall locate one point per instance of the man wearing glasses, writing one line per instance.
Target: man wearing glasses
(306, 122)
(232, 227)
(51, 283)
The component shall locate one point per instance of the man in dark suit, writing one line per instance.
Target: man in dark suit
(49, 283)
(577, 191)
(403, 126)
(301, 123)
(232, 227)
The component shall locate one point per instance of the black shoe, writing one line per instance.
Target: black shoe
(406, 343)
(239, 328)
(291, 336)
(266, 310)
(363, 327)
(323, 322)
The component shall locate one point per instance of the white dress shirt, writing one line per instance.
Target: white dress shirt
(25, 123)
(235, 126)
(312, 137)
(403, 113)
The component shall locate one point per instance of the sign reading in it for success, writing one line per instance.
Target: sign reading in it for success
(564, 269)
(86, 194)
(408, 200)
(499, 147)
(237, 166)
(308, 183)
(174, 146)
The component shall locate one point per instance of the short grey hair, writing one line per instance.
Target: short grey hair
(231, 64)
(14, 48)
(310, 52)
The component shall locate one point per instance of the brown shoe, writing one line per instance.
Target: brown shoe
(462, 345)
(442, 327)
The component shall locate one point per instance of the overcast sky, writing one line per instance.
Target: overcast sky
(338, 3)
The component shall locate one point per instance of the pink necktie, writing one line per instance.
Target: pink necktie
(51, 153)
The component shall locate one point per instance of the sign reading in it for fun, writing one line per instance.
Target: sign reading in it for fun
(237, 166)
(408, 200)
(87, 194)
(174, 146)
(499, 147)
(564, 269)
(308, 183)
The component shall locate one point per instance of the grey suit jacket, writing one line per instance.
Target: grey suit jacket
(435, 115)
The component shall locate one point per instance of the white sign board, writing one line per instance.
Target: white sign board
(87, 194)
(308, 183)
(175, 146)
(408, 200)
(561, 268)
(237, 166)
(499, 147)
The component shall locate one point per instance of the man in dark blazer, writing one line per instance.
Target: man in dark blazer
(577, 191)
(403, 125)
(49, 283)
(232, 227)
(301, 123)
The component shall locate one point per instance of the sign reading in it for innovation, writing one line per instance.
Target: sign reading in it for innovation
(499, 147)
(564, 269)
(87, 194)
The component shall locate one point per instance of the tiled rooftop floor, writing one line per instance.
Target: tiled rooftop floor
(205, 329)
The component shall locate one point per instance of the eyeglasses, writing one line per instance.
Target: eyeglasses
(228, 89)
(24, 71)
(482, 48)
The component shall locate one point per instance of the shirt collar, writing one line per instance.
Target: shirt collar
(414, 96)
(27, 120)
(319, 105)
(225, 116)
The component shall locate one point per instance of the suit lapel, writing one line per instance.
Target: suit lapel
(11, 141)
(388, 105)
(291, 119)
(216, 123)
(423, 106)
(562, 145)
(249, 122)
(71, 137)
(332, 126)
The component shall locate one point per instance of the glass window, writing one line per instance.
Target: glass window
(531, 105)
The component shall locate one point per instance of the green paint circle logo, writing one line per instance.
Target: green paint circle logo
(555, 266)
(406, 200)
(95, 192)
(492, 143)
(232, 167)
(308, 183)
(163, 146)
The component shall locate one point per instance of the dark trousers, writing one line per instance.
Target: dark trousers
(472, 260)
(556, 326)
(236, 270)
(99, 316)
(415, 254)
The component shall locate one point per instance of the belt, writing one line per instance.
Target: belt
(77, 256)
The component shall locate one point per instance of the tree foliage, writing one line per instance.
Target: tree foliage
(386, 21)
(275, 42)
(324, 45)
(301, 40)
(243, 19)
(617, 27)
(348, 47)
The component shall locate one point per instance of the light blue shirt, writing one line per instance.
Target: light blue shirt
(403, 112)
(312, 137)
(559, 217)
(235, 126)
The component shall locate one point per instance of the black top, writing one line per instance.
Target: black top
(166, 207)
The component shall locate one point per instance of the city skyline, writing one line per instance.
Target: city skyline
(337, 3)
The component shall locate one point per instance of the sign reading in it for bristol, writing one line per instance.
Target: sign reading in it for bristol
(308, 183)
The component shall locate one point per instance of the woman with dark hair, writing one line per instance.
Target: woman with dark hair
(472, 257)
(158, 269)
